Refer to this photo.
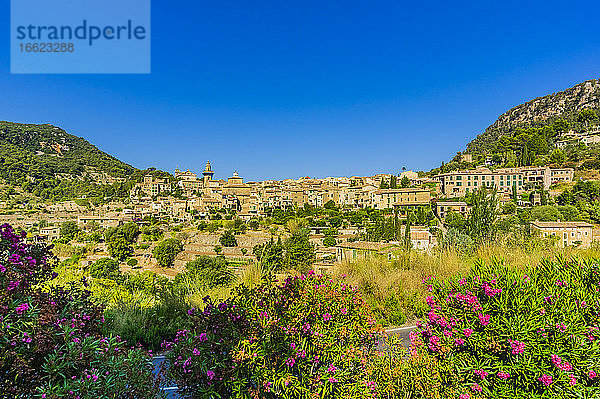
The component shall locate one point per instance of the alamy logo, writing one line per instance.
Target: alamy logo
(92, 36)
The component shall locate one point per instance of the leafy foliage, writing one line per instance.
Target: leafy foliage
(166, 251)
(52, 164)
(308, 337)
(50, 341)
(227, 239)
(505, 333)
(105, 268)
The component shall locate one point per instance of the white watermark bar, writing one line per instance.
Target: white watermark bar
(91, 36)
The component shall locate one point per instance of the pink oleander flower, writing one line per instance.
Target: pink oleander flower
(558, 362)
(484, 319)
(331, 368)
(434, 342)
(592, 374)
(464, 396)
(545, 379)
(290, 361)
(517, 347)
(476, 388)
(468, 332)
(210, 374)
(481, 373)
(572, 380)
(502, 375)
(22, 308)
(459, 342)
(327, 317)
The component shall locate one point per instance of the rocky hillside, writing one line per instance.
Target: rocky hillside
(539, 112)
(51, 163)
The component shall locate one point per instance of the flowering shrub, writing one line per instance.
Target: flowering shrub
(503, 333)
(397, 376)
(307, 337)
(50, 345)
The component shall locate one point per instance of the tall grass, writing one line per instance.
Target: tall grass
(395, 288)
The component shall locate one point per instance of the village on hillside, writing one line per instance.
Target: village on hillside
(197, 210)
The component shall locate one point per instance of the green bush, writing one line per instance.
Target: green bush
(505, 333)
(132, 262)
(166, 251)
(50, 341)
(329, 242)
(204, 272)
(308, 337)
(147, 325)
(105, 268)
(227, 239)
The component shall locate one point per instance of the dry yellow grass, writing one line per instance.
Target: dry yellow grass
(399, 283)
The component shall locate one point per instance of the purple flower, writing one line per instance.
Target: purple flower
(210, 374)
(327, 317)
(290, 362)
(22, 308)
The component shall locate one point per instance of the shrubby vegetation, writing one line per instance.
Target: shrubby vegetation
(51, 344)
(166, 251)
(504, 333)
(306, 337)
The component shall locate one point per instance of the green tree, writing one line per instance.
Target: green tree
(407, 241)
(329, 241)
(509, 208)
(68, 230)
(393, 181)
(253, 224)
(227, 239)
(569, 213)
(545, 213)
(299, 252)
(484, 211)
(330, 205)
(270, 255)
(543, 196)
(119, 248)
(166, 251)
(455, 220)
(561, 126)
(587, 117)
(105, 268)
(218, 249)
(130, 231)
(557, 156)
(383, 183)
(404, 182)
(208, 272)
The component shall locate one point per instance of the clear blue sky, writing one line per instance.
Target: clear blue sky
(321, 88)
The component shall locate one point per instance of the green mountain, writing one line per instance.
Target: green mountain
(557, 113)
(50, 163)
